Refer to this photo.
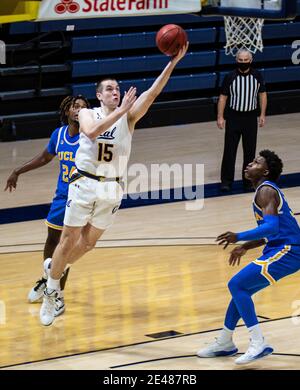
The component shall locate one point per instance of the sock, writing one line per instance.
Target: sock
(256, 334)
(225, 335)
(53, 284)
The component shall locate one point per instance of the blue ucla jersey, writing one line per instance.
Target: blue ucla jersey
(65, 148)
(289, 231)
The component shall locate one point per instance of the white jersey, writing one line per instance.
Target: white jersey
(108, 154)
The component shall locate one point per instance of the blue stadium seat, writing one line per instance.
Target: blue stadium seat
(114, 42)
(107, 23)
(274, 75)
(33, 69)
(140, 64)
(176, 83)
(32, 93)
(281, 74)
(270, 53)
(282, 30)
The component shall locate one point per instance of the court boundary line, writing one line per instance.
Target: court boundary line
(124, 246)
(125, 239)
(190, 356)
(138, 343)
(117, 246)
(111, 247)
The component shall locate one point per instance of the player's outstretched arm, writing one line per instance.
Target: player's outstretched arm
(40, 160)
(268, 200)
(142, 104)
(92, 129)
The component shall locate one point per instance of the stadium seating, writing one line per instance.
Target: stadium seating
(71, 56)
(175, 84)
(275, 75)
(137, 64)
(270, 53)
(114, 42)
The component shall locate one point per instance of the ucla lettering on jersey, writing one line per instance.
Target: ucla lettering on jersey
(65, 147)
(289, 231)
(108, 154)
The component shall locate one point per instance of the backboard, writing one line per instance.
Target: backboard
(264, 9)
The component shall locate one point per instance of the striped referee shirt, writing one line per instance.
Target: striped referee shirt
(242, 89)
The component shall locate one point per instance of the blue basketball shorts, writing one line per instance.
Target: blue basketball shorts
(278, 262)
(55, 218)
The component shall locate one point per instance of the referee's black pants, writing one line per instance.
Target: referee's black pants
(238, 125)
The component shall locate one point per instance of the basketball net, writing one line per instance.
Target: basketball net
(243, 33)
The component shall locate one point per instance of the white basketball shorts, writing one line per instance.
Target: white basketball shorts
(92, 201)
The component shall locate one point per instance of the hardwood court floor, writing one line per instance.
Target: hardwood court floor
(120, 296)
(162, 273)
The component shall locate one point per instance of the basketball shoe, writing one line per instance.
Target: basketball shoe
(48, 309)
(59, 306)
(256, 350)
(217, 349)
(36, 293)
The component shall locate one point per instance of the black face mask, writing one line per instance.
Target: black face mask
(244, 66)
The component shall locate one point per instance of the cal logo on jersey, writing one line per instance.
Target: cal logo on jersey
(108, 134)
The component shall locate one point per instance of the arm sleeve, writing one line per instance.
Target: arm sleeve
(51, 147)
(269, 227)
(225, 89)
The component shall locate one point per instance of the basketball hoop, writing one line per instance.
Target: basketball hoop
(244, 19)
(243, 33)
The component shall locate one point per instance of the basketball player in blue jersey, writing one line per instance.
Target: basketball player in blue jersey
(278, 230)
(63, 143)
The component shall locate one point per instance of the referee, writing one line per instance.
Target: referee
(240, 88)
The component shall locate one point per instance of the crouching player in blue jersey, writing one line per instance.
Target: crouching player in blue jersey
(63, 143)
(278, 230)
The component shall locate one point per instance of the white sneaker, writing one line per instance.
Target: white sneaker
(47, 312)
(36, 293)
(254, 352)
(59, 306)
(217, 349)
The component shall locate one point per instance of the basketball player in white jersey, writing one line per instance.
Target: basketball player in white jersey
(95, 190)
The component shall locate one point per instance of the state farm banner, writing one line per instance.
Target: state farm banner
(76, 9)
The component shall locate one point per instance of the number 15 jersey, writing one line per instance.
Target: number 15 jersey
(108, 154)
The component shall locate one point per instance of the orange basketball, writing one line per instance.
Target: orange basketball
(170, 39)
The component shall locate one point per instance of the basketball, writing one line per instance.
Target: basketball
(170, 39)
